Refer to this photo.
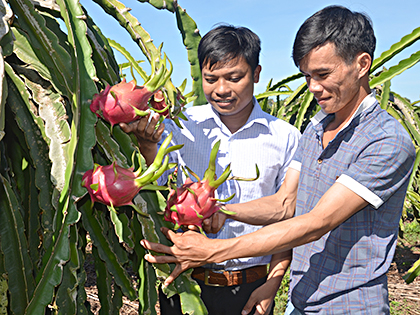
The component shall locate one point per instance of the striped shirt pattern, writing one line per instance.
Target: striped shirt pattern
(264, 140)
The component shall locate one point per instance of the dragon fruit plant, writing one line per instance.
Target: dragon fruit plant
(193, 202)
(127, 102)
(116, 186)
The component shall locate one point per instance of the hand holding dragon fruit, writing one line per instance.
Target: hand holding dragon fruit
(116, 186)
(193, 202)
(127, 102)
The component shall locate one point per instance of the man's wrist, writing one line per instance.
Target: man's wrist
(224, 209)
(222, 206)
(146, 144)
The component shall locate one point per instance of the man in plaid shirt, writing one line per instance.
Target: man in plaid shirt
(339, 206)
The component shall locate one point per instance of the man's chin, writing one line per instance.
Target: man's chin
(226, 111)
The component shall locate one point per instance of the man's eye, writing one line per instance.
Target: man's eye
(208, 80)
(235, 79)
(323, 75)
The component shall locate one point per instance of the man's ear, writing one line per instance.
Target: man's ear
(257, 74)
(364, 61)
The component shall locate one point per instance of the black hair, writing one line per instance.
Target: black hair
(226, 43)
(350, 32)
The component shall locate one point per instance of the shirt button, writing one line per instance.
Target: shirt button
(319, 161)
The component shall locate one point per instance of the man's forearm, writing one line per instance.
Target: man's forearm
(279, 264)
(275, 238)
(270, 209)
(336, 206)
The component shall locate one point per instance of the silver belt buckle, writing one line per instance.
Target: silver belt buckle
(206, 279)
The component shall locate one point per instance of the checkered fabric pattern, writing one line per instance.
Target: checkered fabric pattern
(344, 272)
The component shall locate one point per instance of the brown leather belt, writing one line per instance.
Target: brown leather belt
(229, 278)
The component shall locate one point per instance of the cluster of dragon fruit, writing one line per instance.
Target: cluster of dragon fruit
(116, 186)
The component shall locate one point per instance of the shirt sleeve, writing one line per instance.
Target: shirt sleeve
(296, 162)
(292, 145)
(381, 168)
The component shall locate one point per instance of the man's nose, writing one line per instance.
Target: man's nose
(313, 85)
(222, 87)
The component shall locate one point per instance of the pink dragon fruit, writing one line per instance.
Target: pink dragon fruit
(123, 102)
(127, 102)
(116, 186)
(193, 202)
(112, 184)
(158, 104)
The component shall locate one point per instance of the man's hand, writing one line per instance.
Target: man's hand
(146, 134)
(190, 250)
(145, 128)
(262, 298)
(214, 223)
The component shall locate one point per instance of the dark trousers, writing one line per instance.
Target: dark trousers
(228, 300)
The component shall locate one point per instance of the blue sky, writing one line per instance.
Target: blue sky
(276, 22)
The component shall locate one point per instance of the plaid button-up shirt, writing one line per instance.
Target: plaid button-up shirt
(344, 272)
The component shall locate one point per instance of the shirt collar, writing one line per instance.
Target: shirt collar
(206, 112)
(256, 116)
(367, 103)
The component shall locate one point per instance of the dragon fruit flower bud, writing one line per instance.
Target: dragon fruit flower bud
(157, 102)
(171, 107)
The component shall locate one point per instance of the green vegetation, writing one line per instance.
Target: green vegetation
(281, 297)
(398, 308)
(411, 232)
